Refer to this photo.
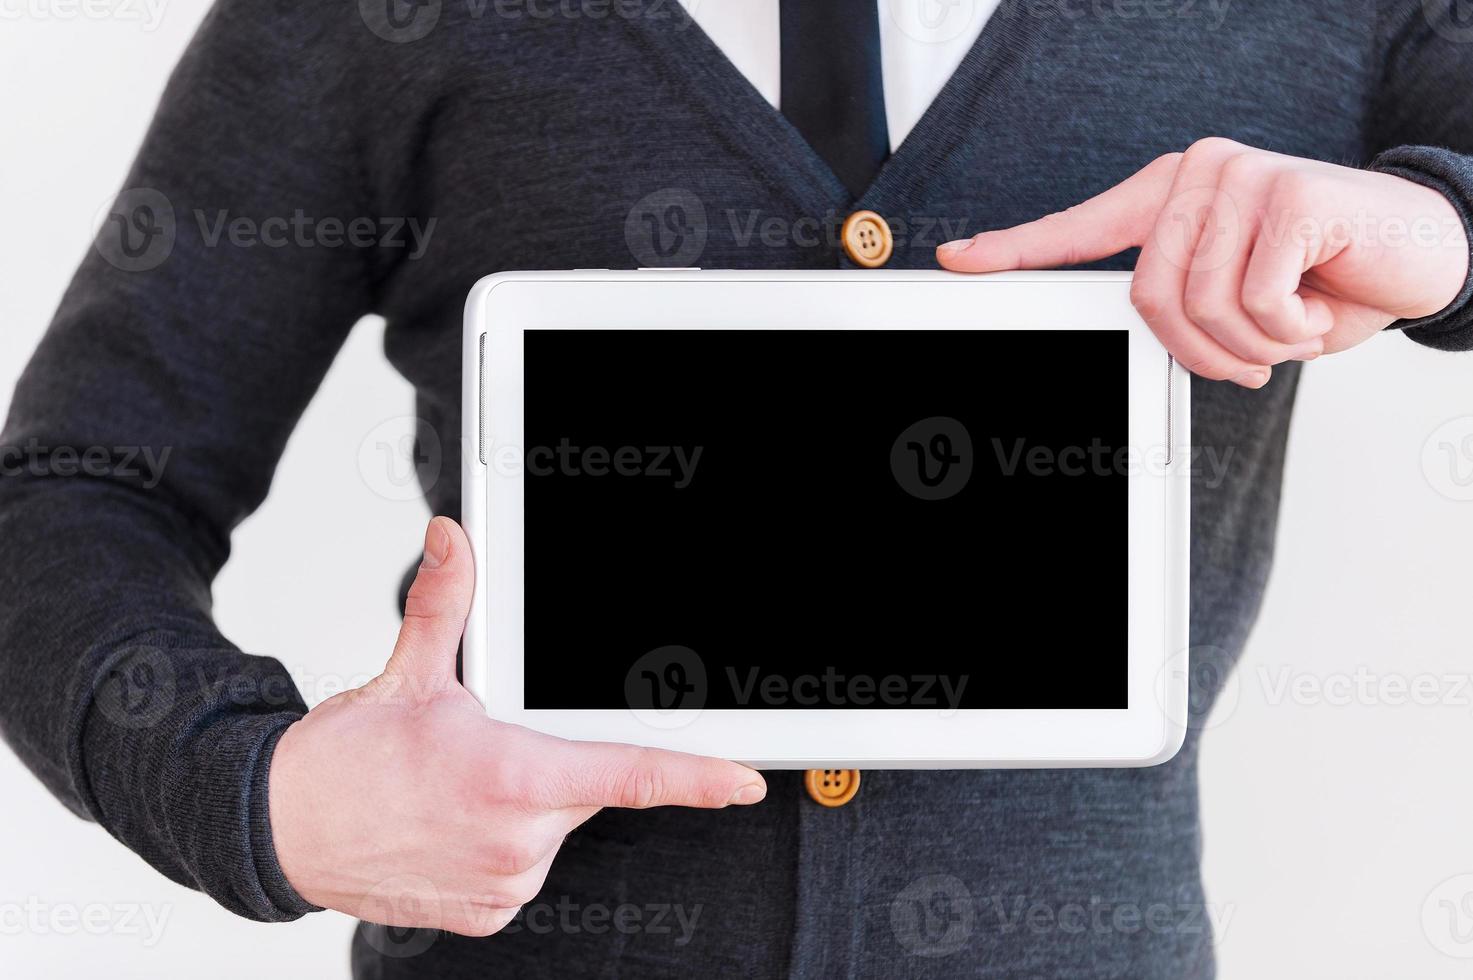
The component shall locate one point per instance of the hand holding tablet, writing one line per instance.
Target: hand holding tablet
(806, 519)
(453, 819)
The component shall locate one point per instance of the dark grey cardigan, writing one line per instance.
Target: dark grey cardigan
(532, 135)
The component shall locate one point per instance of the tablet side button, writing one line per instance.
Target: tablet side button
(1170, 435)
(481, 403)
(831, 787)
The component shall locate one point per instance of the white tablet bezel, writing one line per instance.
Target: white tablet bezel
(501, 307)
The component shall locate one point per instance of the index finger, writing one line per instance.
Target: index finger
(1107, 223)
(599, 774)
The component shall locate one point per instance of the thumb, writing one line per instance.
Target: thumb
(435, 612)
(1108, 223)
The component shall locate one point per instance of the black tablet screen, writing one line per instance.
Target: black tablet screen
(825, 519)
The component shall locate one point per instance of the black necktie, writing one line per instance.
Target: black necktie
(832, 88)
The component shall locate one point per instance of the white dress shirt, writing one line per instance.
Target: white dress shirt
(921, 44)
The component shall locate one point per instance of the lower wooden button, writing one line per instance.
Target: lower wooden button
(867, 239)
(831, 787)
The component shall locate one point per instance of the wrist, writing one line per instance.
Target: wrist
(1448, 322)
(277, 808)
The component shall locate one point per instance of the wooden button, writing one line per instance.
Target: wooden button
(867, 239)
(831, 787)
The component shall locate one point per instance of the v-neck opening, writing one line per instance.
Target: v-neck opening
(750, 124)
(758, 129)
(1007, 37)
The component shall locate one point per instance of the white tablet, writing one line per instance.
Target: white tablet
(814, 519)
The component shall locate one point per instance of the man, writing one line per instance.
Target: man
(543, 136)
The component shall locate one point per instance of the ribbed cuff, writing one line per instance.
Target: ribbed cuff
(276, 888)
(1451, 175)
(225, 831)
(176, 750)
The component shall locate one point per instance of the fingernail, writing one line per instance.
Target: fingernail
(960, 245)
(1309, 351)
(437, 546)
(751, 793)
(1252, 379)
